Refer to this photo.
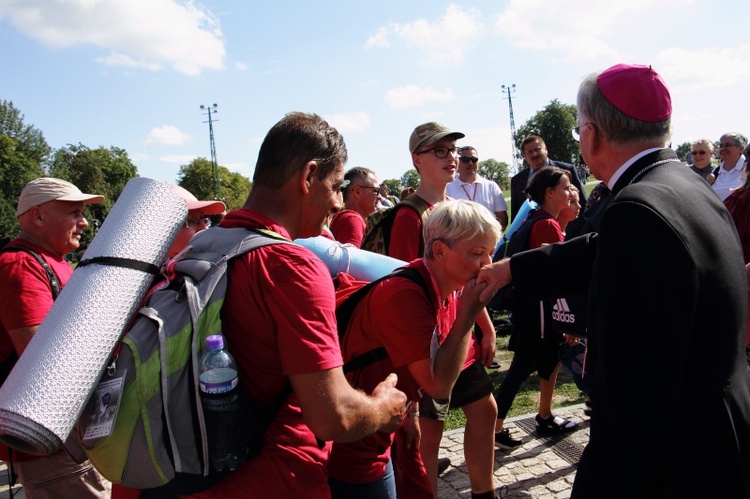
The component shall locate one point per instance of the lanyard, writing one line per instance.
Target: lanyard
(471, 198)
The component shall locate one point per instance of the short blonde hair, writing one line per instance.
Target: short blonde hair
(457, 219)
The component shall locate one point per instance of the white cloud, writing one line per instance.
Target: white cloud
(122, 60)
(582, 30)
(166, 135)
(414, 96)
(148, 34)
(379, 39)
(679, 69)
(354, 122)
(182, 159)
(444, 40)
(241, 66)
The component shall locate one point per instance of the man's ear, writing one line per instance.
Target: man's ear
(308, 175)
(36, 215)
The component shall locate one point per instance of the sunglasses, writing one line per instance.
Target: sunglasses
(698, 152)
(196, 222)
(468, 160)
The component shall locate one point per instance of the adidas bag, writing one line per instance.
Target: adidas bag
(159, 434)
(570, 315)
(377, 238)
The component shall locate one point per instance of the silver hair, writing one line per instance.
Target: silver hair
(737, 138)
(458, 219)
(615, 126)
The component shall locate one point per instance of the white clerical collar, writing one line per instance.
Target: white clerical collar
(618, 173)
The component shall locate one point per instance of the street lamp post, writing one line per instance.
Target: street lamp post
(216, 187)
(510, 90)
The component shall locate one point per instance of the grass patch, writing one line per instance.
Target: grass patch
(527, 399)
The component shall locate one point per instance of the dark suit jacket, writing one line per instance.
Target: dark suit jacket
(667, 310)
(518, 185)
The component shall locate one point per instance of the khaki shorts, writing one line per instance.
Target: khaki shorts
(472, 384)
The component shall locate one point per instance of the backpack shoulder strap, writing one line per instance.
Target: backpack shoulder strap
(417, 204)
(716, 171)
(54, 282)
(345, 311)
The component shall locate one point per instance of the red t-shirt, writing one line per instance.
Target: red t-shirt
(406, 235)
(406, 239)
(546, 230)
(348, 226)
(25, 297)
(396, 315)
(279, 319)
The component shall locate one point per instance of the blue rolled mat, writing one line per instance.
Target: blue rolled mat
(361, 264)
(518, 219)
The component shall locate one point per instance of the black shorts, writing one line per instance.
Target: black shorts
(472, 384)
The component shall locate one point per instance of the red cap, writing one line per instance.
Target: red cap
(636, 90)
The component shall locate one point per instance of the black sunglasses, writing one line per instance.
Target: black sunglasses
(468, 160)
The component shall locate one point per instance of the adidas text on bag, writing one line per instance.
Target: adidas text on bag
(377, 238)
(159, 436)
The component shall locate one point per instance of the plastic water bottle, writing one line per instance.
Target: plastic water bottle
(220, 396)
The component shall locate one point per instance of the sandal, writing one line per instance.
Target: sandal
(553, 425)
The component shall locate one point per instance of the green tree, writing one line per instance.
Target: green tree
(23, 151)
(394, 187)
(683, 150)
(497, 171)
(553, 124)
(98, 171)
(197, 177)
(410, 179)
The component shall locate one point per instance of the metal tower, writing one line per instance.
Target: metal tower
(216, 182)
(510, 90)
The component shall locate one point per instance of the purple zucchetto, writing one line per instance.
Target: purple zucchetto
(636, 90)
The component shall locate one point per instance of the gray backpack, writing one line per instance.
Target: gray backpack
(159, 435)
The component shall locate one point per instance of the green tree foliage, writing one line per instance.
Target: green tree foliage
(197, 177)
(497, 171)
(394, 187)
(683, 150)
(23, 151)
(97, 171)
(553, 124)
(410, 179)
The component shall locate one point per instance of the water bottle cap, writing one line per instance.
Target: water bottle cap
(214, 342)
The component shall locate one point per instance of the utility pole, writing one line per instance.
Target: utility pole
(510, 90)
(216, 182)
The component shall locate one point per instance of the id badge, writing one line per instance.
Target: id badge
(104, 405)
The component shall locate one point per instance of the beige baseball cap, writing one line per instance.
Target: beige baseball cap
(429, 133)
(45, 189)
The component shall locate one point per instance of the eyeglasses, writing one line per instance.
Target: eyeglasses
(576, 131)
(466, 160)
(196, 222)
(696, 153)
(441, 152)
(728, 144)
(375, 188)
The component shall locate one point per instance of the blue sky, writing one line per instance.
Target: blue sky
(133, 73)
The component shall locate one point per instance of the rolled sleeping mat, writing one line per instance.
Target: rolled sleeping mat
(518, 219)
(42, 399)
(361, 264)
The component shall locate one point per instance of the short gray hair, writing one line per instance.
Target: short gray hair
(738, 139)
(458, 219)
(615, 126)
(705, 142)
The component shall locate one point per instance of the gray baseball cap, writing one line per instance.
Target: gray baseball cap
(429, 133)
